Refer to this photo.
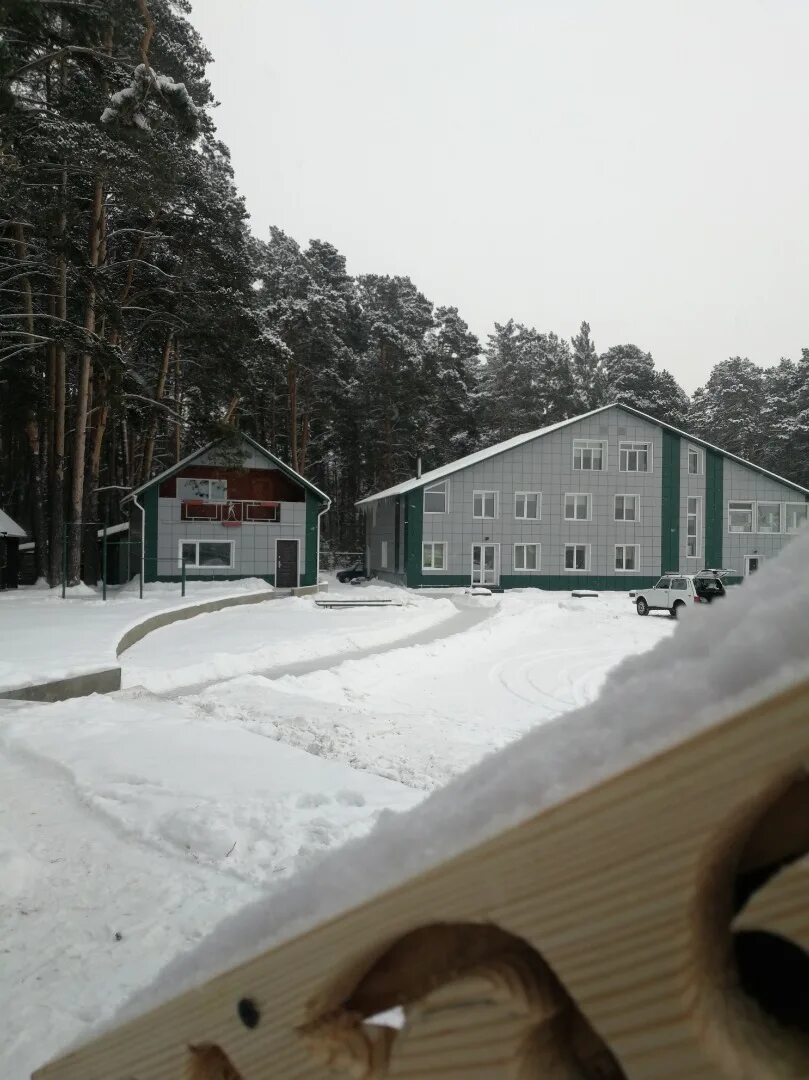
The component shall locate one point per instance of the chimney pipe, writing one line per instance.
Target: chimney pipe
(418, 468)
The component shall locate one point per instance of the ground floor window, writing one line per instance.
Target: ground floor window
(434, 556)
(527, 556)
(752, 563)
(627, 557)
(577, 556)
(218, 553)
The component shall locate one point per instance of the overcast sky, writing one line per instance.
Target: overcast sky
(640, 165)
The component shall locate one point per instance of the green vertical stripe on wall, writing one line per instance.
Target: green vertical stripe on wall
(670, 504)
(414, 523)
(313, 507)
(714, 501)
(149, 502)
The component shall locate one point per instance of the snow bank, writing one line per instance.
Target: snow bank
(722, 656)
(45, 637)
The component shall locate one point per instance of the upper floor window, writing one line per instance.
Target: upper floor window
(634, 457)
(627, 508)
(484, 504)
(436, 498)
(578, 507)
(192, 487)
(528, 505)
(434, 555)
(694, 461)
(692, 527)
(740, 517)
(768, 516)
(796, 514)
(589, 454)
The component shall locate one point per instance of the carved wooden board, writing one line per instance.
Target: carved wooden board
(654, 926)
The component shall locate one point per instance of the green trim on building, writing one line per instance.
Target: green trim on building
(550, 582)
(313, 507)
(714, 507)
(670, 503)
(149, 503)
(414, 525)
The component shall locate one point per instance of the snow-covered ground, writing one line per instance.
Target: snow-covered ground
(132, 823)
(45, 637)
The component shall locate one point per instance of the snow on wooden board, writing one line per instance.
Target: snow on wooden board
(723, 657)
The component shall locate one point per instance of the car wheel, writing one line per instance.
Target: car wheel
(675, 611)
(642, 606)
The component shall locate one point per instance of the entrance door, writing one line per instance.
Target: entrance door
(752, 563)
(286, 564)
(485, 569)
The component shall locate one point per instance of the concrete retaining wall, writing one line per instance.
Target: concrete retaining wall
(166, 618)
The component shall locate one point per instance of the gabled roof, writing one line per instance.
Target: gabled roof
(518, 440)
(9, 527)
(286, 469)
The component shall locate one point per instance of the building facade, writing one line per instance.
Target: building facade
(228, 511)
(607, 500)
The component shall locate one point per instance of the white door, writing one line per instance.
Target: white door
(752, 563)
(658, 597)
(485, 564)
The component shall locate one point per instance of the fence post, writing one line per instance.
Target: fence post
(104, 563)
(183, 577)
(65, 527)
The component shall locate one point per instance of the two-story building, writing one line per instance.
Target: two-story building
(229, 510)
(608, 500)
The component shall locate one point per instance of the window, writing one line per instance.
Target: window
(694, 461)
(578, 507)
(664, 583)
(740, 517)
(436, 498)
(692, 527)
(679, 583)
(383, 556)
(634, 457)
(527, 556)
(213, 553)
(589, 455)
(796, 514)
(434, 556)
(191, 487)
(627, 557)
(577, 556)
(768, 516)
(484, 504)
(528, 505)
(627, 508)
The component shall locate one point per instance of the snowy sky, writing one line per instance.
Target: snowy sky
(640, 165)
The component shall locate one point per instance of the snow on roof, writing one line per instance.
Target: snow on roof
(9, 527)
(203, 449)
(724, 657)
(509, 444)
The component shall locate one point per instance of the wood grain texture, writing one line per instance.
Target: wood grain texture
(594, 940)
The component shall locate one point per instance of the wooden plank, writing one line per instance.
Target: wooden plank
(594, 940)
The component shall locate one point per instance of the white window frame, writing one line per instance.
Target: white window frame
(383, 554)
(576, 570)
(770, 532)
(433, 544)
(204, 540)
(525, 495)
(697, 515)
(202, 480)
(697, 451)
(736, 503)
(483, 492)
(432, 490)
(629, 446)
(625, 520)
(590, 444)
(624, 569)
(578, 495)
(804, 505)
(747, 558)
(526, 569)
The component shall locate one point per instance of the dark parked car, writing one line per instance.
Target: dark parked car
(353, 573)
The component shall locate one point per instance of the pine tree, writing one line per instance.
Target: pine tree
(588, 376)
(726, 411)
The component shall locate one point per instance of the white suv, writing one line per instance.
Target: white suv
(674, 591)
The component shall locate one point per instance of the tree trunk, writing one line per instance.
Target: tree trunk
(292, 396)
(82, 401)
(178, 408)
(160, 389)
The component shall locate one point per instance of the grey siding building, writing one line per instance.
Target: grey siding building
(228, 511)
(607, 500)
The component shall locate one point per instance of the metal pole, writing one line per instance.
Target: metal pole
(183, 577)
(65, 527)
(104, 564)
